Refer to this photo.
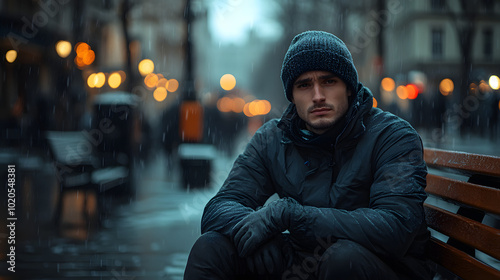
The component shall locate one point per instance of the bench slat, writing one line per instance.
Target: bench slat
(470, 232)
(459, 262)
(70, 148)
(477, 196)
(473, 163)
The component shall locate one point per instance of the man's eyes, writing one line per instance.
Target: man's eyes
(328, 81)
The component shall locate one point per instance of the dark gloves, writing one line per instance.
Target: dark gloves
(269, 259)
(262, 225)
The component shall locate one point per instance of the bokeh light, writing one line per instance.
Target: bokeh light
(388, 84)
(446, 87)
(160, 94)
(225, 104)
(146, 66)
(259, 107)
(238, 104)
(375, 103)
(114, 80)
(100, 80)
(412, 91)
(484, 87)
(96, 80)
(91, 80)
(494, 82)
(63, 48)
(172, 85)
(81, 48)
(11, 56)
(402, 92)
(162, 82)
(151, 80)
(231, 104)
(473, 88)
(88, 57)
(246, 110)
(227, 82)
(84, 55)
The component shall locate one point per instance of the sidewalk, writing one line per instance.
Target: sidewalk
(147, 237)
(469, 144)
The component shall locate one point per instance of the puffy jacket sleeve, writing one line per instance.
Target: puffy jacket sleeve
(247, 186)
(395, 213)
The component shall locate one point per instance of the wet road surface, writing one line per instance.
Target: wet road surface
(147, 236)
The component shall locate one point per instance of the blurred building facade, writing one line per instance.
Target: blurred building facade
(41, 90)
(430, 41)
(411, 42)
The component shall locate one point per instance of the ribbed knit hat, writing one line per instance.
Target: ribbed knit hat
(317, 51)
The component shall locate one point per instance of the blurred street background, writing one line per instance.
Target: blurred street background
(153, 100)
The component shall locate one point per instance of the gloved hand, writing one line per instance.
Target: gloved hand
(269, 259)
(262, 225)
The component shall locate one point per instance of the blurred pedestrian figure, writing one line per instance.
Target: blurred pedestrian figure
(350, 180)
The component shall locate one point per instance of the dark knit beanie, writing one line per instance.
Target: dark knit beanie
(317, 51)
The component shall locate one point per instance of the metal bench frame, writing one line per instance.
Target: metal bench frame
(78, 169)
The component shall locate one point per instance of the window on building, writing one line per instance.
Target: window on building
(488, 42)
(438, 5)
(437, 42)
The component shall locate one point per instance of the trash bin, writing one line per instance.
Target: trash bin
(196, 164)
(113, 127)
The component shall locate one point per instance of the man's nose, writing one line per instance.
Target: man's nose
(318, 94)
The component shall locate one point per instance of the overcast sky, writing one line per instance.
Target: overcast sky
(231, 20)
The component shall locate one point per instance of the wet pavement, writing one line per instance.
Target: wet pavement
(147, 236)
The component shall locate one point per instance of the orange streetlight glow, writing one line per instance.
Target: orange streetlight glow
(63, 48)
(446, 87)
(162, 82)
(238, 105)
(402, 92)
(114, 80)
(225, 104)
(151, 80)
(146, 66)
(494, 82)
(172, 85)
(160, 94)
(11, 56)
(91, 80)
(412, 91)
(84, 55)
(227, 82)
(100, 80)
(388, 84)
(259, 107)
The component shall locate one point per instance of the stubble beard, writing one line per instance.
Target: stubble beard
(322, 124)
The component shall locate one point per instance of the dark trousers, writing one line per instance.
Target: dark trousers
(214, 256)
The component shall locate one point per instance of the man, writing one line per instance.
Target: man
(350, 180)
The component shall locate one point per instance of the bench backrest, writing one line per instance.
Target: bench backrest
(471, 183)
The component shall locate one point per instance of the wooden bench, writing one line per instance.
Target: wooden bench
(78, 168)
(463, 213)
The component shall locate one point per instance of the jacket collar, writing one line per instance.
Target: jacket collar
(354, 125)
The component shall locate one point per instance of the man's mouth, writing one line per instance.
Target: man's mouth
(321, 110)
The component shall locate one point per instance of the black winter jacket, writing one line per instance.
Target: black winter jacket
(369, 188)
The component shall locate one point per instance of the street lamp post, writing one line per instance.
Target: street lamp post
(191, 111)
(189, 90)
(196, 158)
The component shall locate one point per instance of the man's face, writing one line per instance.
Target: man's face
(321, 99)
